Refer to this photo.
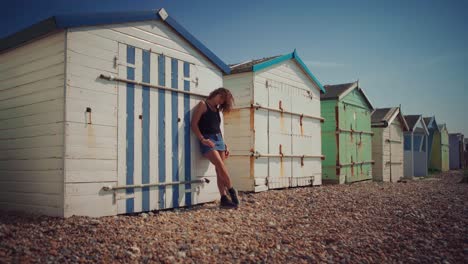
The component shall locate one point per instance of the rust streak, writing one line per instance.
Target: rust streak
(252, 163)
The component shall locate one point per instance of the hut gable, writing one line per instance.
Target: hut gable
(347, 92)
(63, 22)
(383, 117)
(431, 123)
(257, 65)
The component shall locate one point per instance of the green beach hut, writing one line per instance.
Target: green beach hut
(346, 134)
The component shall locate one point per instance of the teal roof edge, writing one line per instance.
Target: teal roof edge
(293, 55)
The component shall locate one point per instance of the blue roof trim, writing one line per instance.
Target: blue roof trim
(198, 45)
(289, 56)
(61, 22)
(81, 20)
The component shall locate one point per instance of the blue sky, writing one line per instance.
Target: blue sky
(413, 53)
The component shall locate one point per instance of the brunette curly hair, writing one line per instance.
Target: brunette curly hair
(227, 96)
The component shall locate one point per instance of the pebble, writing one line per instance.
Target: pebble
(420, 221)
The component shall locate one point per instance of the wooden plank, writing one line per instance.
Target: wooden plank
(32, 176)
(91, 83)
(32, 165)
(32, 88)
(91, 62)
(96, 97)
(34, 76)
(33, 109)
(32, 120)
(32, 153)
(89, 39)
(89, 48)
(101, 114)
(90, 165)
(91, 176)
(103, 205)
(21, 70)
(32, 209)
(31, 187)
(77, 129)
(32, 131)
(85, 152)
(32, 98)
(32, 143)
(29, 52)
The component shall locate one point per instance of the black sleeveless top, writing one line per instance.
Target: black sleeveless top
(209, 121)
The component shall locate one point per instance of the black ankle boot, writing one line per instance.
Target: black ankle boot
(233, 194)
(226, 203)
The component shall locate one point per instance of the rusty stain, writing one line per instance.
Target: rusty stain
(302, 125)
(252, 118)
(281, 167)
(252, 163)
(352, 166)
(91, 138)
(337, 135)
(281, 160)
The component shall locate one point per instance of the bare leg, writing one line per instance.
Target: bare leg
(226, 181)
(223, 180)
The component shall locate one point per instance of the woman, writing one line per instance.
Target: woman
(206, 122)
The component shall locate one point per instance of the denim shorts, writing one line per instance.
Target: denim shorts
(217, 140)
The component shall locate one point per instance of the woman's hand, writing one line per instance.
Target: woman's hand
(207, 142)
(226, 152)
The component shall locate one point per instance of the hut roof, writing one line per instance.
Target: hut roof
(338, 91)
(382, 117)
(412, 121)
(431, 123)
(61, 22)
(260, 64)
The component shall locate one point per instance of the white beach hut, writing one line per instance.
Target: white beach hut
(95, 112)
(274, 131)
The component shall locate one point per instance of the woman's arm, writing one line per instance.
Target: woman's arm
(197, 112)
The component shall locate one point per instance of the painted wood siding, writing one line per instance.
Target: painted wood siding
(329, 139)
(31, 130)
(445, 149)
(387, 152)
(264, 131)
(351, 113)
(239, 131)
(93, 150)
(378, 149)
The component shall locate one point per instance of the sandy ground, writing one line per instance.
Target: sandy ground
(417, 221)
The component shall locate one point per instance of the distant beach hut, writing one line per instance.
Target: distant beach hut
(388, 125)
(415, 147)
(346, 134)
(274, 131)
(457, 155)
(432, 127)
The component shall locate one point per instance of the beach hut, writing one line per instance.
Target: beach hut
(346, 134)
(439, 149)
(456, 151)
(432, 127)
(95, 113)
(274, 131)
(388, 125)
(415, 147)
(465, 144)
